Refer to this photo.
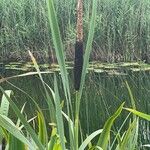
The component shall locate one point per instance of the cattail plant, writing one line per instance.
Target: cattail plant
(78, 61)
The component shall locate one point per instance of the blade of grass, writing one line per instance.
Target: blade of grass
(88, 45)
(59, 118)
(129, 141)
(58, 46)
(118, 134)
(48, 98)
(89, 138)
(131, 96)
(4, 109)
(61, 61)
(24, 75)
(138, 113)
(5, 103)
(42, 133)
(105, 135)
(15, 142)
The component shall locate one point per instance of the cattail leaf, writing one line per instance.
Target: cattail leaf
(138, 113)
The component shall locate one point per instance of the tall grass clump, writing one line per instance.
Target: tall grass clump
(23, 27)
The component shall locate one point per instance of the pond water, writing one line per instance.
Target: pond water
(104, 91)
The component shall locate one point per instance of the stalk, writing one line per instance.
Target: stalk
(78, 61)
(78, 64)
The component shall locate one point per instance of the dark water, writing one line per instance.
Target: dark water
(102, 95)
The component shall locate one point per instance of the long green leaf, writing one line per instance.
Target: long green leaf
(7, 124)
(48, 97)
(24, 75)
(131, 96)
(138, 113)
(4, 109)
(58, 46)
(118, 134)
(129, 141)
(59, 118)
(84, 69)
(14, 142)
(89, 138)
(88, 45)
(42, 131)
(5, 103)
(61, 61)
(105, 135)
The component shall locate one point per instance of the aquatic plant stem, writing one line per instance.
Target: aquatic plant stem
(78, 61)
(79, 87)
(77, 120)
(78, 65)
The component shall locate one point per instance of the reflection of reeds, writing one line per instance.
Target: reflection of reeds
(78, 62)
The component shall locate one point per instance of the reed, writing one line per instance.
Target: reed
(122, 29)
(78, 61)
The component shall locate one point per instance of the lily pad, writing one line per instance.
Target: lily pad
(99, 70)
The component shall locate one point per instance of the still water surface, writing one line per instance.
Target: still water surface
(102, 95)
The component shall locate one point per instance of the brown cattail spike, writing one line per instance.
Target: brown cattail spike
(78, 64)
(78, 47)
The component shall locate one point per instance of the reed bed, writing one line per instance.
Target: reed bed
(122, 29)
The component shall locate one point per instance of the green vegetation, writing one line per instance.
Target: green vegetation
(122, 29)
(60, 128)
(25, 136)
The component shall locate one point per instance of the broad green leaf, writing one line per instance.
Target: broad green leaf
(4, 109)
(138, 113)
(52, 142)
(59, 49)
(89, 138)
(42, 130)
(105, 135)
(5, 103)
(14, 143)
(7, 124)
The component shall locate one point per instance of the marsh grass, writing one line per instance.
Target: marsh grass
(122, 29)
